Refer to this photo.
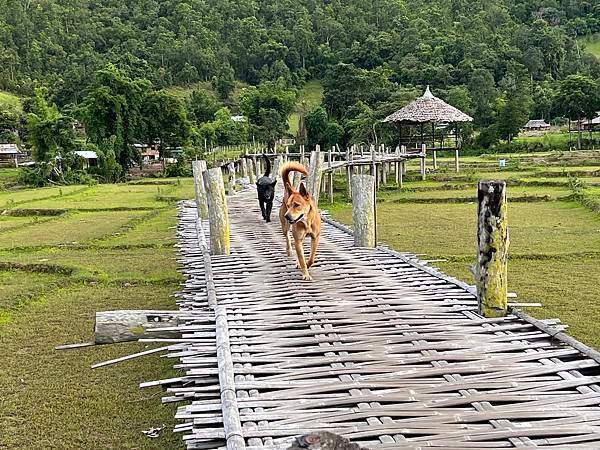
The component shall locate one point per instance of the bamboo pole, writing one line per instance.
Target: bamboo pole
(363, 210)
(492, 249)
(330, 177)
(349, 170)
(231, 179)
(313, 182)
(218, 215)
(198, 167)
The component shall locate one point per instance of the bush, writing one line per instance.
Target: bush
(180, 169)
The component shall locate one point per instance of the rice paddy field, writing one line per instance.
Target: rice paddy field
(67, 252)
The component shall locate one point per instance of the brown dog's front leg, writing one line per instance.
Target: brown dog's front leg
(314, 243)
(301, 261)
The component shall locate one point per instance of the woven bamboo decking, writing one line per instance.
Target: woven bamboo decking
(379, 348)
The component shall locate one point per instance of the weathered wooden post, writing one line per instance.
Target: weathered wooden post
(374, 166)
(218, 215)
(251, 171)
(330, 175)
(403, 164)
(434, 155)
(231, 179)
(456, 166)
(423, 159)
(198, 167)
(313, 182)
(492, 248)
(349, 171)
(363, 210)
(244, 166)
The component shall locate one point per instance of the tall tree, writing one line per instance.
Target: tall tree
(113, 107)
(165, 121)
(267, 108)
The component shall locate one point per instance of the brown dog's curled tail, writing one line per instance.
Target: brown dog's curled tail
(285, 170)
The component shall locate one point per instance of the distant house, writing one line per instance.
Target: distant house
(238, 119)
(9, 154)
(150, 154)
(587, 124)
(536, 125)
(90, 158)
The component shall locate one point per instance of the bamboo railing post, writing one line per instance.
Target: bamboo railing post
(231, 179)
(492, 249)
(349, 170)
(198, 167)
(218, 215)
(313, 182)
(423, 160)
(363, 210)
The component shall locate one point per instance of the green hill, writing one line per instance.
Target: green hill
(310, 96)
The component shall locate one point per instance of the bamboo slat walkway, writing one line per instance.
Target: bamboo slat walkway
(379, 348)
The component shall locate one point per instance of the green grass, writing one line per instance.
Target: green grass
(55, 273)
(11, 100)
(311, 95)
(592, 45)
(8, 178)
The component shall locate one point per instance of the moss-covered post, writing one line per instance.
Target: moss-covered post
(363, 210)
(218, 215)
(230, 179)
(313, 182)
(492, 248)
(198, 167)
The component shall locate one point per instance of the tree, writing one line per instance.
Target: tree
(165, 121)
(267, 108)
(227, 130)
(113, 107)
(202, 106)
(577, 96)
(224, 82)
(9, 124)
(321, 130)
(516, 102)
(483, 92)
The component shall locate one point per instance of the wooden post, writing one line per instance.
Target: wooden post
(198, 167)
(434, 152)
(349, 171)
(330, 175)
(251, 171)
(403, 164)
(313, 182)
(131, 325)
(363, 210)
(424, 157)
(492, 248)
(231, 179)
(456, 166)
(384, 166)
(218, 215)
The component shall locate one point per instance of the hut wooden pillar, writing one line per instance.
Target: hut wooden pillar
(423, 160)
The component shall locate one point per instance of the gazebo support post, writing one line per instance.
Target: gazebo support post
(456, 166)
(423, 159)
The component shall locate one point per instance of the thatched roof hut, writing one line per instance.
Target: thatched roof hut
(428, 109)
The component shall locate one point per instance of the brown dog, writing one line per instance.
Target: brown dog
(299, 212)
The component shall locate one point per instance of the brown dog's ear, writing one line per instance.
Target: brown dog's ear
(303, 191)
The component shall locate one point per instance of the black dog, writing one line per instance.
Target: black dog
(265, 186)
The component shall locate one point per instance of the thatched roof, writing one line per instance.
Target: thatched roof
(426, 109)
(537, 123)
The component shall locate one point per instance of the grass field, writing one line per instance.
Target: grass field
(10, 100)
(555, 244)
(109, 247)
(592, 45)
(310, 96)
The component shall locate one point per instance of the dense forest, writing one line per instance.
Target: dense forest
(502, 61)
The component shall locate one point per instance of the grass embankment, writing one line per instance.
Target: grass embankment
(555, 240)
(107, 247)
(309, 97)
